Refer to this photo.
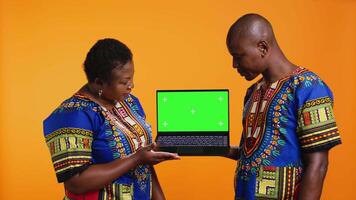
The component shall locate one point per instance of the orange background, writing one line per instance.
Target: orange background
(176, 45)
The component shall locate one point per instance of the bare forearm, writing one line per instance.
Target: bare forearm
(312, 184)
(157, 193)
(313, 176)
(99, 175)
(234, 153)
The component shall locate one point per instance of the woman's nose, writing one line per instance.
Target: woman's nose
(131, 85)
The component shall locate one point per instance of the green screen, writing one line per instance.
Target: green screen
(182, 111)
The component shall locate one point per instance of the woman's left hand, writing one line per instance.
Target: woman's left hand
(147, 155)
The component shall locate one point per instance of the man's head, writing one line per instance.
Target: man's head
(250, 41)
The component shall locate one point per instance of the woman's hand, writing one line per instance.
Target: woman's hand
(147, 155)
(97, 176)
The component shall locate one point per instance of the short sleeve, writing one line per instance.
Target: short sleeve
(69, 137)
(317, 129)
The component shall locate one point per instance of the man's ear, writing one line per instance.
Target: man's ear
(263, 48)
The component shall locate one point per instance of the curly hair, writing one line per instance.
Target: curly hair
(103, 57)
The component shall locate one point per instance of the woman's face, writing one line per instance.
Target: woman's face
(121, 83)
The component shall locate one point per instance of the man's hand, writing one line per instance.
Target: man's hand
(234, 153)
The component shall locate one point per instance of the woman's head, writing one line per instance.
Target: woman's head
(109, 69)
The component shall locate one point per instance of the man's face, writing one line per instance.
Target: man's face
(246, 57)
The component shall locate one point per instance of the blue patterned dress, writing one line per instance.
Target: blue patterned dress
(80, 133)
(289, 117)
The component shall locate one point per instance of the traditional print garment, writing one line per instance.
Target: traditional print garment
(281, 121)
(80, 133)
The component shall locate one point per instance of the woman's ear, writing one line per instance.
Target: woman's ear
(99, 83)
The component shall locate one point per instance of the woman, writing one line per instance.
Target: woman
(100, 143)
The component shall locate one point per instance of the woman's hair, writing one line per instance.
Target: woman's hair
(103, 57)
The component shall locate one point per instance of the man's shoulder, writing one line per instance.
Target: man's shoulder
(306, 78)
(306, 72)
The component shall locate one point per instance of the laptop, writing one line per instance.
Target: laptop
(193, 122)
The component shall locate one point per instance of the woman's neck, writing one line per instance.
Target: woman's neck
(89, 91)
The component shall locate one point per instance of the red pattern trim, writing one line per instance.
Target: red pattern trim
(307, 120)
(87, 196)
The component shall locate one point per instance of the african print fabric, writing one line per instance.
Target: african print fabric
(80, 133)
(281, 121)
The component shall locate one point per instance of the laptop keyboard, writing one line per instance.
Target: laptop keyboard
(192, 141)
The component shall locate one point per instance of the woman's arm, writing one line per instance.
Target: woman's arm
(157, 193)
(316, 165)
(99, 175)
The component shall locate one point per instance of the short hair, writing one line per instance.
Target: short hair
(103, 57)
(251, 26)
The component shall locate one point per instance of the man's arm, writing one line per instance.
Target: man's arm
(316, 166)
(234, 153)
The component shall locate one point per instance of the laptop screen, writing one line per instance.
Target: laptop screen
(192, 110)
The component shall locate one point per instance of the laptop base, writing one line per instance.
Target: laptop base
(196, 150)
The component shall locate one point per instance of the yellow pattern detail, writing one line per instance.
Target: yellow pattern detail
(62, 143)
(322, 114)
(264, 184)
(69, 167)
(315, 133)
(126, 192)
(71, 157)
(321, 142)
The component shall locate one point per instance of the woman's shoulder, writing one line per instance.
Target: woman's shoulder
(77, 102)
(77, 111)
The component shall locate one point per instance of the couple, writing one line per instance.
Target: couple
(101, 145)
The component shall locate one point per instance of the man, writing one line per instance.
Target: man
(288, 121)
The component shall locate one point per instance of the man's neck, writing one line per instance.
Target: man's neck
(278, 68)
